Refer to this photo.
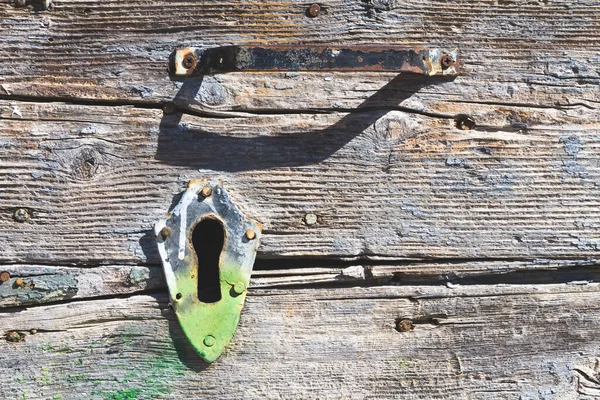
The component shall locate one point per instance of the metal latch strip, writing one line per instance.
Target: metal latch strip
(191, 61)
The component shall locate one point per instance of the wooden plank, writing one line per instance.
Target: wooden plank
(317, 344)
(382, 184)
(39, 284)
(543, 54)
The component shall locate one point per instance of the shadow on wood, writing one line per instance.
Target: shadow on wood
(196, 148)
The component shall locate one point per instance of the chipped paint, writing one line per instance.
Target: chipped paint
(208, 326)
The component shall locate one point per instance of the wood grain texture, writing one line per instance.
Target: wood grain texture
(484, 241)
(542, 53)
(317, 344)
(41, 284)
(382, 184)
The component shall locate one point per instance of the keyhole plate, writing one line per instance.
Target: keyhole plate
(208, 326)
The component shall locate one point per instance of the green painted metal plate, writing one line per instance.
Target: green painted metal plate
(208, 326)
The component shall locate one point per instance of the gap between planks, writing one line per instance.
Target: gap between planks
(41, 284)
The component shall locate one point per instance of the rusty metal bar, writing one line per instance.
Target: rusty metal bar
(194, 61)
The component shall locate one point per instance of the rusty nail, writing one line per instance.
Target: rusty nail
(310, 219)
(314, 10)
(13, 336)
(4, 276)
(206, 191)
(465, 122)
(404, 325)
(446, 60)
(188, 61)
(250, 234)
(165, 232)
(20, 3)
(21, 215)
(169, 108)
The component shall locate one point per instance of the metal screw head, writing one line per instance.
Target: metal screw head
(20, 3)
(250, 234)
(404, 325)
(239, 288)
(165, 232)
(14, 337)
(310, 219)
(169, 108)
(314, 10)
(188, 61)
(21, 215)
(4, 276)
(209, 341)
(446, 60)
(465, 123)
(206, 191)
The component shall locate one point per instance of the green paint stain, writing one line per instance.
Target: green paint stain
(124, 394)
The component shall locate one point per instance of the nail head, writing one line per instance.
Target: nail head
(310, 219)
(250, 234)
(239, 288)
(21, 215)
(209, 341)
(314, 10)
(206, 191)
(165, 232)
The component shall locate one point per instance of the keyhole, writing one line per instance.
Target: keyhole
(208, 238)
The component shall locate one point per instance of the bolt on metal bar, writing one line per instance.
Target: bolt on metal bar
(194, 61)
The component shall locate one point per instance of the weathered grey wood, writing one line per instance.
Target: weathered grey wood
(543, 54)
(403, 186)
(41, 284)
(318, 344)
(376, 157)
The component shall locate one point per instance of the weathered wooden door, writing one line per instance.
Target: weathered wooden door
(423, 238)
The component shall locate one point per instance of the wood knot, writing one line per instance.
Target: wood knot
(85, 164)
(396, 127)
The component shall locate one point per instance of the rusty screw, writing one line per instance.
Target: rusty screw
(314, 10)
(188, 61)
(250, 234)
(465, 123)
(20, 3)
(404, 325)
(169, 108)
(206, 191)
(446, 60)
(165, 232)
(21, 215)
(13, 336)
(4, 276)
